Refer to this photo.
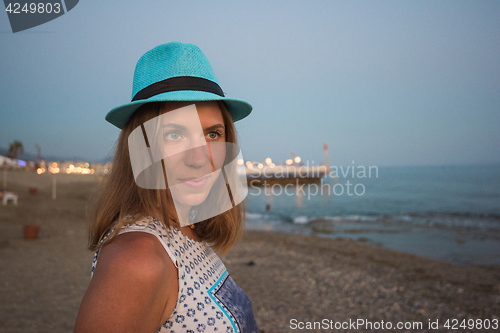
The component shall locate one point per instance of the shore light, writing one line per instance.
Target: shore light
(289, 161)
(39, 171)
(240, 161)
(54, 165)
(269, 161)
(297, 159)
(272, 165)
(260, 165)
(249, 165)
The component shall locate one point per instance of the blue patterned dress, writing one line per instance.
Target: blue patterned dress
(208, 300)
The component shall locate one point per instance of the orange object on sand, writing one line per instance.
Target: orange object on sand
(31, 231)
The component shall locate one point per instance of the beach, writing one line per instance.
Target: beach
(291, 279)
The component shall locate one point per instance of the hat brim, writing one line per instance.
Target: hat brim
(120, 115)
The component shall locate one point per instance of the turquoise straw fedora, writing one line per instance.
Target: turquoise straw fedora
(175, 72)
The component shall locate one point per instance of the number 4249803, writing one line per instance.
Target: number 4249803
(32, 8)
(453, 324)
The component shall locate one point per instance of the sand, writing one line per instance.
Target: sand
(290, 279)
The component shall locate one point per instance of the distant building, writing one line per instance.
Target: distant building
(11, 163)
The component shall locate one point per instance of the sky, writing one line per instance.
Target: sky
(385, 83)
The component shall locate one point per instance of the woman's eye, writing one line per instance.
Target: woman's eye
(172, 136)
(214, 135)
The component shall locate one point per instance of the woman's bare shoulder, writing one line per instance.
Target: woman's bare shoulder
(137, 253)
(130, 287)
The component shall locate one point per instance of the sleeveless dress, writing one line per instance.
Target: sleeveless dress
(208, 299)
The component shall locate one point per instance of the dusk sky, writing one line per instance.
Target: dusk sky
(384, 83)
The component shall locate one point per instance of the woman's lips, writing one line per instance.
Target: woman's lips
(194, 182)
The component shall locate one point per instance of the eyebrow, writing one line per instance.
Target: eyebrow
(183, 128)
(214, 127)
(176, 126)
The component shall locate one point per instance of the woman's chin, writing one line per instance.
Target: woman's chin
(190, 200)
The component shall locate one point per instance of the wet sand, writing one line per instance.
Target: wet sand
(286, 276)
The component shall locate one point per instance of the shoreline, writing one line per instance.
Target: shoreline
(460, 246)
(286, 276)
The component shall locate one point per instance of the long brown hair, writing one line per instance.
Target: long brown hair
(120, 198)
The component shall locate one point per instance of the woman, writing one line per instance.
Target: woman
(174, 188)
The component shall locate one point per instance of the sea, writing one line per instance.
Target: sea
(450, 213)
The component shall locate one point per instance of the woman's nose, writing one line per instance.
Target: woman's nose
(197, 157)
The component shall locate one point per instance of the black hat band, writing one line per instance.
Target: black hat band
(179, 83)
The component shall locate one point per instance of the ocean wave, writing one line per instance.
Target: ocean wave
(254, 216)
(449, 220)
(430, 219)
(301, 220)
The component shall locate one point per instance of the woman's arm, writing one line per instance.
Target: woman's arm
(134, 287)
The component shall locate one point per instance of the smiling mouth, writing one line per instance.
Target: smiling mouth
(194, 182)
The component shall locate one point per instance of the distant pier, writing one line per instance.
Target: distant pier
(284, 174)
(291, 173)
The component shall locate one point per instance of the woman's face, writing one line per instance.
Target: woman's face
(193, 142)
